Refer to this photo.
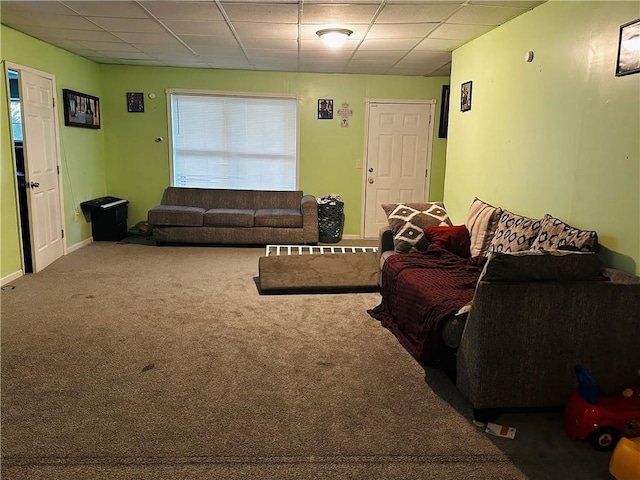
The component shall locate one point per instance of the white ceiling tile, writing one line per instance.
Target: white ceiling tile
(267, 30)
(207, 11)
(209, 40)
(160, 39)
(270, 43)
(440, 44)
(450, 31)
(228, 54)
(144, 62)
(484, 15)
(527, 4)
(443, 71)
(139, 25)
(151, 48)
(46, 7)
(266, 13)
(272, 53)
(416, 13)
(182, 27)
(310, 56)
(427, 56)
(389, 44)
(126, 55)
(401, 30)
(57, 35)
(107, 46)
(122, 9)
(377, 57)
(343, 14)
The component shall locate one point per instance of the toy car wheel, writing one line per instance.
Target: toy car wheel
(604, 439)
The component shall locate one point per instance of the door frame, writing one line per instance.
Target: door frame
(368, 102)
(56, 126)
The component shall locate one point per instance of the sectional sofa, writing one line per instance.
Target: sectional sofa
(507, 305)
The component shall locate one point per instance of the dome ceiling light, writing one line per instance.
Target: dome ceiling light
(334, 37)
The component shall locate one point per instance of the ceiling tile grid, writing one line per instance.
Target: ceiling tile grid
(390, 37)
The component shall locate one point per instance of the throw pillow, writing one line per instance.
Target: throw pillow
(454, 239)
(514, 233)
(541, 265)
(407, 221)
(481, 222)
(554, 234)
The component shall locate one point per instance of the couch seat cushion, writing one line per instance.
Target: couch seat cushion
(228, 217)
(282, 218)
(176, 215)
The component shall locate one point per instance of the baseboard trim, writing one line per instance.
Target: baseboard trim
(352, 237)
(79, 245)
(11, 277)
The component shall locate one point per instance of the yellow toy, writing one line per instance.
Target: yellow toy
(625, 460)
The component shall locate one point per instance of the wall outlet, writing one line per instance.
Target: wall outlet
(358, 163)
(77, 215)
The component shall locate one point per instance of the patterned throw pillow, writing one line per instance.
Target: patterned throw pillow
(481, 222)
(556, 235)
(514, 233)
(407, 221)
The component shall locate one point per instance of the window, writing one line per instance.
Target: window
(235, 142)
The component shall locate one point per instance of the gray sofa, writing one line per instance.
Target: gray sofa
(200, 216)
(515, 345)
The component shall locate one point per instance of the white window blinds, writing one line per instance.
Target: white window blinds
(234, 142)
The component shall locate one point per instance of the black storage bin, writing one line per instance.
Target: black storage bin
(330, 220)
(108, 218)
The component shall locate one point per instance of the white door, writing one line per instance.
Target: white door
(398, 158)
(42, 170)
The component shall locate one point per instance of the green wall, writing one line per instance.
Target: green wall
(82, 150)
(123, 159)
(559, 135)
(138, 166)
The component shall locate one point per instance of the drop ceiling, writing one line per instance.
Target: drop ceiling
(390, 37)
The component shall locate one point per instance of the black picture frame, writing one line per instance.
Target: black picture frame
(444, 112)
(325, 109)
(628, 59)
(135, 102)
(465, 96)
(80, 109)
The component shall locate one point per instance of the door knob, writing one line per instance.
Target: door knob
(370, 180)
(370, 169)
(35, 184)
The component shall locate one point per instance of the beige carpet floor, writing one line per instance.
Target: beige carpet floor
(133, 361)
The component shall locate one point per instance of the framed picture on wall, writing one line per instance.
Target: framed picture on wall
(465, 96)
(325, 109)
(80, 109)
(629, 49)
(444, 112)
(135, 102)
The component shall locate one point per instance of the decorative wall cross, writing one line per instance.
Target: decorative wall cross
(345, 113)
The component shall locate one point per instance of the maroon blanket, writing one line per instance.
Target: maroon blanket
(419, 292)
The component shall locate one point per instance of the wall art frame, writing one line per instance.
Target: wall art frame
(135, 102)
(628, 59)
(444, 112)
(80, 109)
(465, 96)
(325, 108)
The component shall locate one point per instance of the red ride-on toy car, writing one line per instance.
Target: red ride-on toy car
(601, 420)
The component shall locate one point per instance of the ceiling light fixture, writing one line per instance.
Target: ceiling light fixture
(334, 37)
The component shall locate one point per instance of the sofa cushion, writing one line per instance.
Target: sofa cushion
(280, 218)
(407, 221)
(176, 215)
(514, 233)
(454, 239)
(541, 265)
(481, 222)
(554, 234)
(228, 217)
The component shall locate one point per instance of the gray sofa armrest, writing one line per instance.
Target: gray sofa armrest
(309, 208)
(522, 340)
